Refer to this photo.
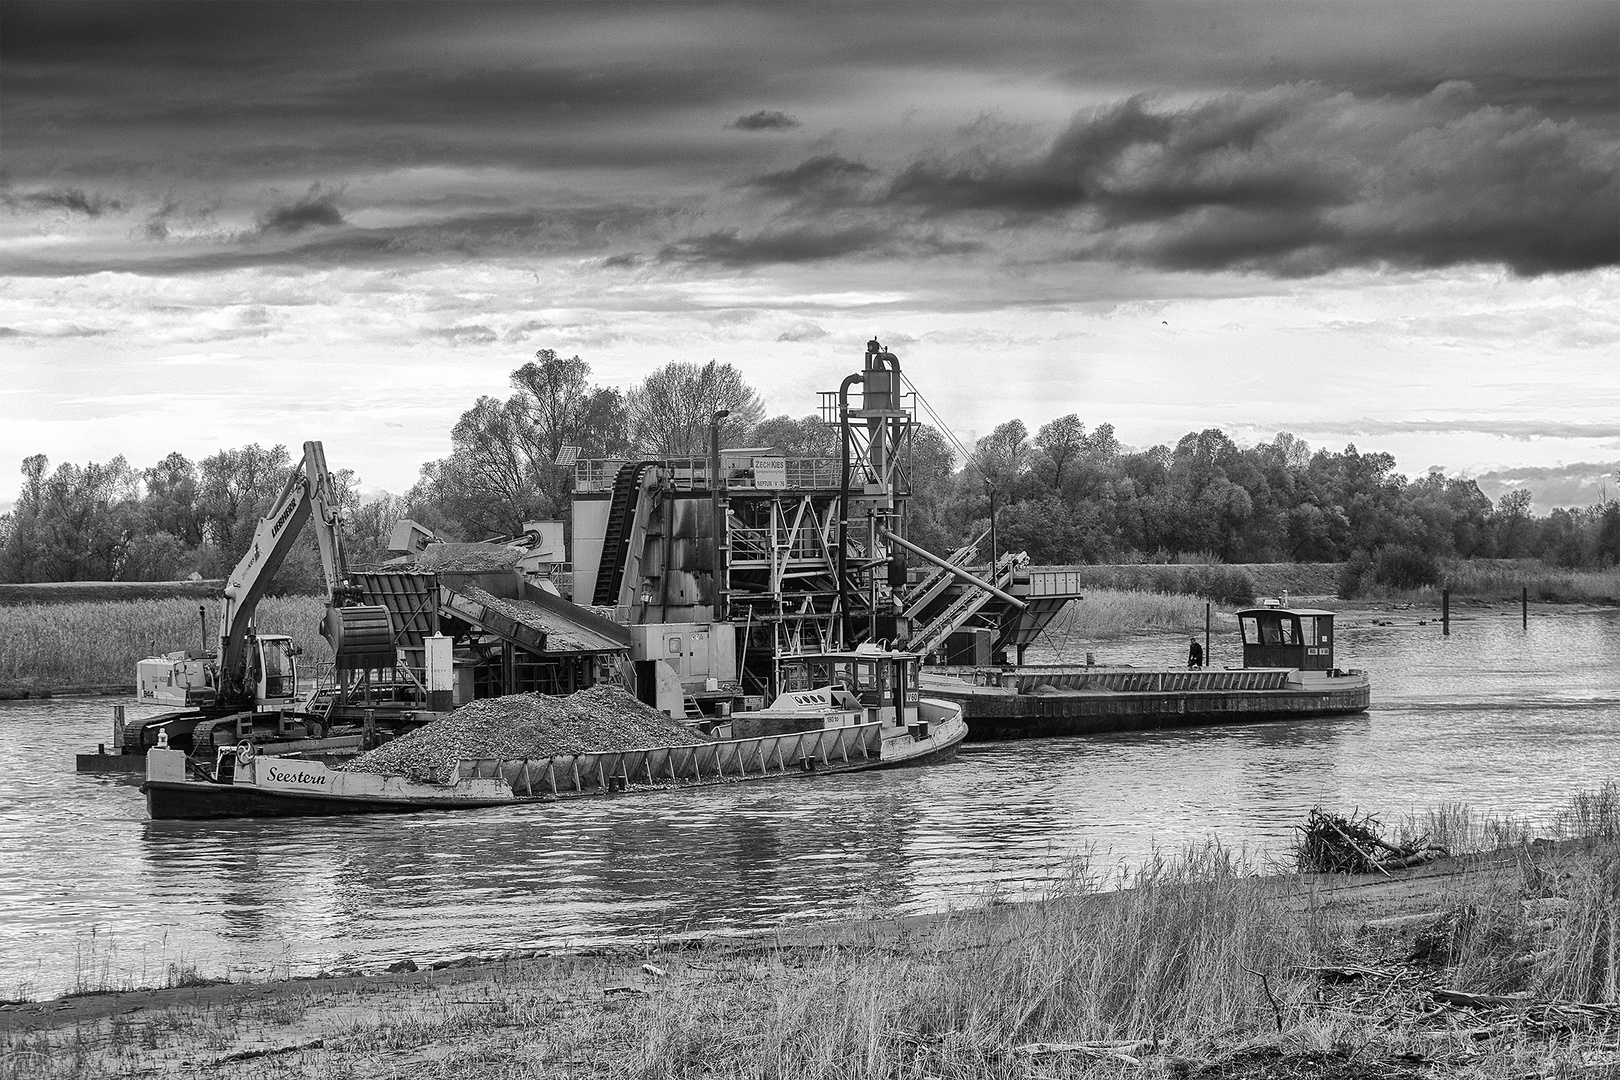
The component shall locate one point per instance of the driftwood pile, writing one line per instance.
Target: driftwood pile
(1330, 844)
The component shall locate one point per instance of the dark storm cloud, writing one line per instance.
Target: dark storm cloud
(573, 231)
(1368, 165)
(1292, 180)
(765, 120)
(825, 178)
(72, 200)
(315, 210)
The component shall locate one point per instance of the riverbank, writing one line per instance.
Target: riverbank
(1484, 966)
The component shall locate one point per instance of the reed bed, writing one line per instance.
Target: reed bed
(1212, 581)
(1112, 612)
(1502, 579)
(46, 646)
(1499, 580)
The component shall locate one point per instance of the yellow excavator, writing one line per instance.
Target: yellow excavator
(250, 684)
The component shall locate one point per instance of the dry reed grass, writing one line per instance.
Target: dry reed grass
(1502, 579)
(98, 644)
(1111, 612)
(1499, 580)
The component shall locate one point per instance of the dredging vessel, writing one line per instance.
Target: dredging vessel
(827, 730)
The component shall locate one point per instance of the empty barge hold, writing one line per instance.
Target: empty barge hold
(1288, 673)
(830, 734)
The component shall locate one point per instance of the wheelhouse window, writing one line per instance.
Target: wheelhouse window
(1251, 630)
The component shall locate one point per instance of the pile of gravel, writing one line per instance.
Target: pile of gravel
(602, 719)
(457, 558)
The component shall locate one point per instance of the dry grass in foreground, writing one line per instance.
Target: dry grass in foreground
(1496, 967)
(97, 643)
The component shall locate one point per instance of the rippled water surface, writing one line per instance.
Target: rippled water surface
(91, 891)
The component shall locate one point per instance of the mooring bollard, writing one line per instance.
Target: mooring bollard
(1445, 612)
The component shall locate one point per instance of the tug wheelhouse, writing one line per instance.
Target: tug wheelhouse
(885, 683)
(1278, 637)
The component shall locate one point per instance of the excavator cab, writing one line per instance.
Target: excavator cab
(275, 670)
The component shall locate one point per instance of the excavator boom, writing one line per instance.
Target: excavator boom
(356, 635)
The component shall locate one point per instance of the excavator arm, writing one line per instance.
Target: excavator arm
(354, 631)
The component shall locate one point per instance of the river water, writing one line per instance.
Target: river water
(91, 892)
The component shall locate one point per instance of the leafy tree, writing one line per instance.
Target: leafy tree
(1059, 444)
(73, 524)
(171, 502)
(235, 489)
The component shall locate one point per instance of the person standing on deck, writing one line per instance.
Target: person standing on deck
(1195, 653)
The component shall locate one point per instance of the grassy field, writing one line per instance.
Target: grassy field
(44, 646)
(1493, 966)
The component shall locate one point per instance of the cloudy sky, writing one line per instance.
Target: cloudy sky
(1395, 224)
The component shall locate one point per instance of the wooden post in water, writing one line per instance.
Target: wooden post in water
(118, 728)
(1524, 606)
(1445, 612)
(1207, 607)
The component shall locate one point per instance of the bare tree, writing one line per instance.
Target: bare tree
(671, 409)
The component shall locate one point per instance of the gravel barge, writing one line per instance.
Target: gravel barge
(529, 748)
(1288, 673)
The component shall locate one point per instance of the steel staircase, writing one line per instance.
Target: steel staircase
(965, 606)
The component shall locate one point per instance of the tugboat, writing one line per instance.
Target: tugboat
(1289, 672)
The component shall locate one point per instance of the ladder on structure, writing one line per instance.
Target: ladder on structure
(964, 607)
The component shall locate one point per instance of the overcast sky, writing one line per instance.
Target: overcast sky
(1395, 224)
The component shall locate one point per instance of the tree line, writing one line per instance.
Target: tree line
(1065, 494)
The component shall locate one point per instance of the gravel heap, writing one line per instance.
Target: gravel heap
(602, 719)
(457, 558)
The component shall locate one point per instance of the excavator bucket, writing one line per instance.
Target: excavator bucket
(361, 636)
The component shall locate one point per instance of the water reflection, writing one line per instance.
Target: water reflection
(1495, 715)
